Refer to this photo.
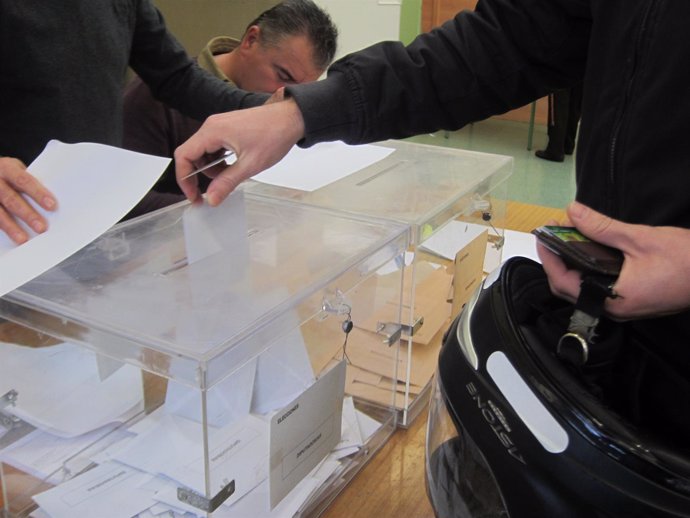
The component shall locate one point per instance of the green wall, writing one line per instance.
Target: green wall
(410, 20)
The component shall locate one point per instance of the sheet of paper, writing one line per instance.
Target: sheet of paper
(468, 272)
(323, 472)
(60, 389)
(305, 431)
(95, 185)
(255, 504)
(108, 491)
(237, 452)
(368, 426)
(141, 427)
(212, 230)
(226, 402)
(52, 458)
(452, 237)
(351, 437)
(312, 168)
(282, 373)
(522, 244)
(494, 250)
(396, 264)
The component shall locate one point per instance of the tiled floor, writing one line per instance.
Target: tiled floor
(534, 180)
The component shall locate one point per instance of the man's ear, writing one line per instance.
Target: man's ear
(251, 36)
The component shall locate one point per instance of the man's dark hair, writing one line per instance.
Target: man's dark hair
(296, 17)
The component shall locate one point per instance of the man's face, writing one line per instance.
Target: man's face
(265, 68)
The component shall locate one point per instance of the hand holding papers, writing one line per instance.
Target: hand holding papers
(227, 157)
(95, 185)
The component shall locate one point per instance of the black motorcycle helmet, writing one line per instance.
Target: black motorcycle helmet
(516, 432)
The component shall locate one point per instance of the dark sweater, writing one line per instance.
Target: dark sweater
(63, 68)
(632, 159)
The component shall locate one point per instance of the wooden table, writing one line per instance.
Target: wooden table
(392, 484)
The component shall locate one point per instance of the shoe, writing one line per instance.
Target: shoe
(568, 146)
(548, 155)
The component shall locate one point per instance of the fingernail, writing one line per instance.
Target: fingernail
(19, 238)
(212, 199)
(38, 225)
(49, 203)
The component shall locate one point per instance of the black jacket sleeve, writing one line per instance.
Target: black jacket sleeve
(501, 56)
(175, 79)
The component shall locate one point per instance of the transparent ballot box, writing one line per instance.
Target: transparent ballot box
(202, 361)
(454, 202)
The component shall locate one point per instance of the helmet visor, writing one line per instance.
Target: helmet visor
(459, 480)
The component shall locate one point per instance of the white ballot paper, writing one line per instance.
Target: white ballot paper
(226, 402)
(312, 168)
(455, 235)
(254, 504)
(95, 186)
(174, 448)
(522, 244)
(282, 372)
(452, 237)
(52, 459)
(110, 490)
(305, 431)
(60, 391)
(351, 436)
(213, 230)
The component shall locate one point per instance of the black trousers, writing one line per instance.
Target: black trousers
(565, 108)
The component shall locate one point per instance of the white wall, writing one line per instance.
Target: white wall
(363, 22)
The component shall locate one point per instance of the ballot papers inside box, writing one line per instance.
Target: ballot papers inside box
(454, 203)
(203, 368)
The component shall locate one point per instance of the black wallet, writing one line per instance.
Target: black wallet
(580, 252)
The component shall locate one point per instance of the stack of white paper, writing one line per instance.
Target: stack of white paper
(138, 470)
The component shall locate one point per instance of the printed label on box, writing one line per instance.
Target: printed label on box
(304, 431)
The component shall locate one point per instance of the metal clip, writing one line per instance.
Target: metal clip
(15, 428)
(336, 304)
(411, 329)
(573, 346)
(201, 502)
(390, 331)
(9, 398)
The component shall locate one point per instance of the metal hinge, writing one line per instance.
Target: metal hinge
(201, 502)
(14, 427)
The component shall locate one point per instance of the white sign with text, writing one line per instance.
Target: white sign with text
(303, 432)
